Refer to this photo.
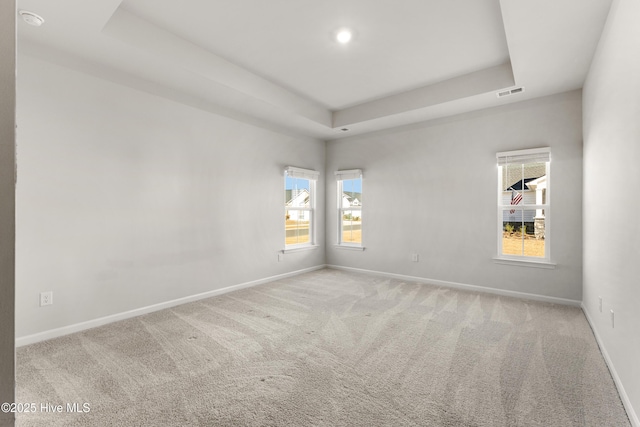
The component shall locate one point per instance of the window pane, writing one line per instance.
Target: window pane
(351, 193)
(524, 184)
(297, 192)
(351, 230)
(297, 227)
(523, 232)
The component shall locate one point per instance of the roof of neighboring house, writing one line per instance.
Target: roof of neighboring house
(351, 195)
(518, 184)
(291, 195)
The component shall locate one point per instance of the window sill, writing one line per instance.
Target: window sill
(300, 249)
(349, 248)
(525, 263)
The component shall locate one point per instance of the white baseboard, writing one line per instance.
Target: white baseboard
(66, 330)
(464, 286)
(631, 413)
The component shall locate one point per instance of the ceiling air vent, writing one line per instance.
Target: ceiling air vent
(510, 91)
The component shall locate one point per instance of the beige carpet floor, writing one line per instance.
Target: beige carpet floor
(329, 348)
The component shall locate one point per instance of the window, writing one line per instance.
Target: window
(523, 205)
(349, 207)
(299, 202)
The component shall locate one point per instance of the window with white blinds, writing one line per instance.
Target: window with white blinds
(349, 207)
(299, 204)
(524, 204)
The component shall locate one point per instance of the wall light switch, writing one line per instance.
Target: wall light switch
(414, 257)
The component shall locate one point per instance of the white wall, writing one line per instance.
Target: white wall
(611, 203)
(126, 200)
(7, 204)
(431, 188)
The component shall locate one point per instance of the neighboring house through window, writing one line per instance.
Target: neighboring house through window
(349, 207)
(299, 198)
(524, 204)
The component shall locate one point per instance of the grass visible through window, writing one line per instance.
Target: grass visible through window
(296, 231)
(512, 244)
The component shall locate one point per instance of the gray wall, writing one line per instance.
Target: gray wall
(126, 200)
(431, 189)
(7, 203)
(611, 203)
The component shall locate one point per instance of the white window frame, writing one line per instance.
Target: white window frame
(312, 176)
(341, 176)
(534, 155)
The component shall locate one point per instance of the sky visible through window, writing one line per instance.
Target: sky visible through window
(296, 184)
(352, 185)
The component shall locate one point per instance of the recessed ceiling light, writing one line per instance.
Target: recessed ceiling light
(31, 18)
(343, 36)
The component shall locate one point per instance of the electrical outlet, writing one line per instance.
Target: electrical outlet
(613, 323)
(600, 302)
(46, 298)
(280, 257)
(414, 257)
